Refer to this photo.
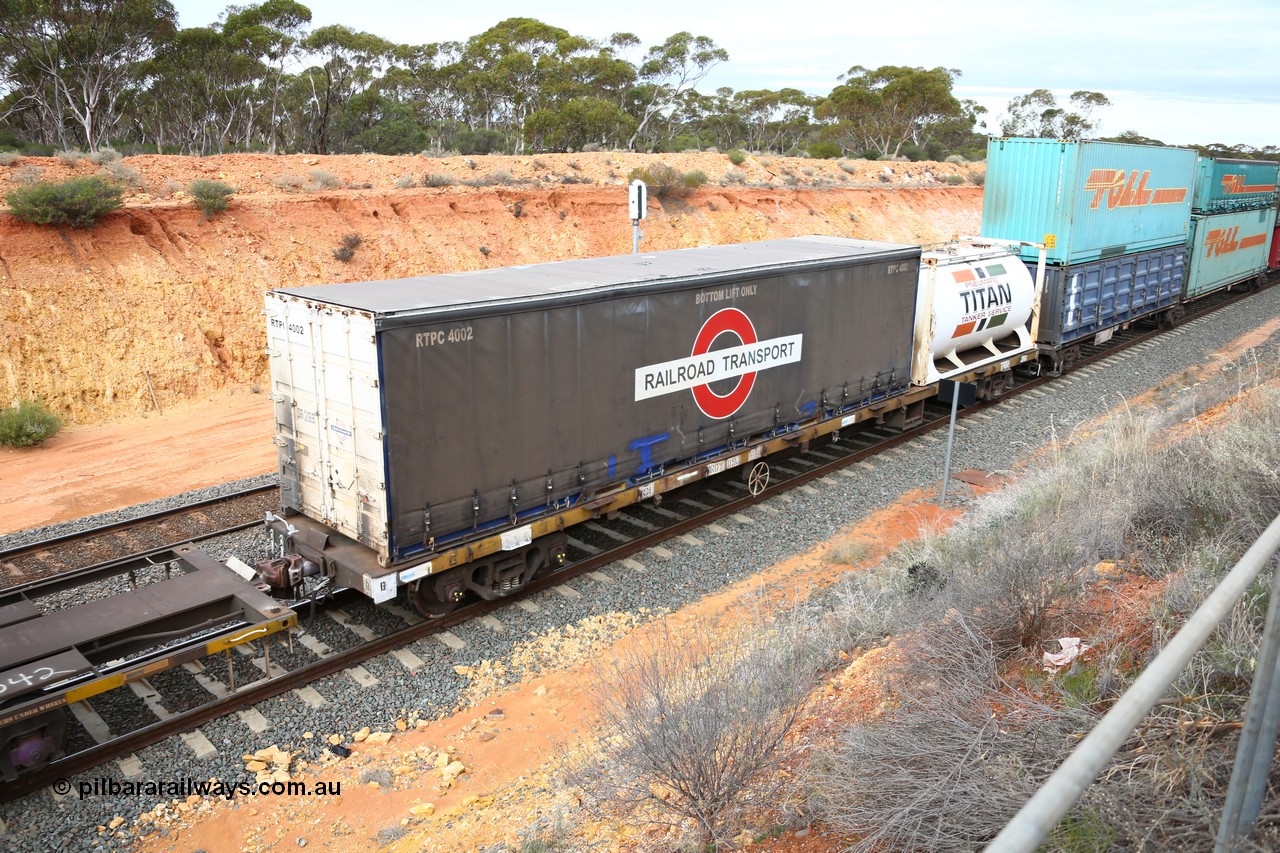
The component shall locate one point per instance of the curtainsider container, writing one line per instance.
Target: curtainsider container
(417, 414)
(1086, 301)
(1227, 248)
(1087, 200)
(1226, 185)
(1273, 256)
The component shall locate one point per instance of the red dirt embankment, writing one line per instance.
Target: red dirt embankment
(157, 299)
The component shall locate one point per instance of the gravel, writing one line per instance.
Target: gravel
(796, 522)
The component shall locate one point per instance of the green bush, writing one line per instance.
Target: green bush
(954, 180)
(78, 202)
(210, 196)
(737, 156)
(8, 158)
(824, 151)
(664, 181)
(693, 180)
(28, 423)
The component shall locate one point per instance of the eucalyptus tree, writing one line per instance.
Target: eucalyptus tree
(668, 71)
(881, 110)
(272, 33)
(1037, 114)
(77, 58)
(352, 63)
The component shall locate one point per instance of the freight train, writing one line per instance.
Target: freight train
(438, 436)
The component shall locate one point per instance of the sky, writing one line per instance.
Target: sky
(1180, 72)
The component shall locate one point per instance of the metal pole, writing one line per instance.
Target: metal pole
(1258, 740)
(951, 437)
(1035, 820)
(635, 236)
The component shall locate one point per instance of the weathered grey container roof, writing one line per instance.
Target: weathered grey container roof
(486, 291)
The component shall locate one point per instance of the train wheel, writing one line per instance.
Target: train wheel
(758, 479)
(32, 746)
(432, 603)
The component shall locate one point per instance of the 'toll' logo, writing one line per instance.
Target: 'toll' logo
(705, 366)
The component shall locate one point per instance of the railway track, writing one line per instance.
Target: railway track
(117, 540)
(239, 681)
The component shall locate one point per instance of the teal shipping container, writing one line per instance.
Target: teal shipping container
(1087, 200)
(1226, 185)
(1227, 248)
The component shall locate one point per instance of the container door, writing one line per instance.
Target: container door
(329, 416)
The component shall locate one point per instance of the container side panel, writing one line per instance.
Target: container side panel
(329, 417)
(508, 416)
(1223, 186)
(1273, 257)
(1081, 300)
(1227, 248)
(1097, 199)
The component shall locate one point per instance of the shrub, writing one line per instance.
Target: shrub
(352, 240)
(405, 182)
(664, 181)
(691, 720)
(28, 423)
(437, 180)
(954, 180)
(955, 158)
(122, 174)
(737, 156)
(693, 180)
(978, 178)
(210, 196)
(322, 180)
(288, 183)
(8, 158)
(70, 156)
(104, 156)
(824, 150)
(28, 175)
(344, 253)
(78, 202)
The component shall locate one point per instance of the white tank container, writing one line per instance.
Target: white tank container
(973, 304)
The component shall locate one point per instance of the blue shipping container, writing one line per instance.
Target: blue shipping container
(1223, 185)
(1227, 248)
(1081, 300)
(1091, 200)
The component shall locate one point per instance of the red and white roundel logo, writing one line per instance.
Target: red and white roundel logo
(744, 357)
(726, 321)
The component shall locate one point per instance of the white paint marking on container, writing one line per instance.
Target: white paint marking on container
(93, 724)
(690, 539)
(662, 552)
(310, 697)
(150, 697)
(600, 576)
(742, 519)
(604, 531)
(715, 528)
(450, 640)
(408, 659)
(312, 644)
(633, 565)
(492, 623)
(528, 606)
(130, 765)
(252, 718)
(200, 745)
(409, 617)
(566, 591)
(809, 490)
(638, 522)
(582, 546)
(361, 676)
(344, 619)
(666, 513)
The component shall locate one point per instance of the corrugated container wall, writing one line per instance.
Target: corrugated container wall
(1090, 199)
(1226, 185)
(1227, 248)
(1273, 257)
(1081, 300)
(503, 395)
